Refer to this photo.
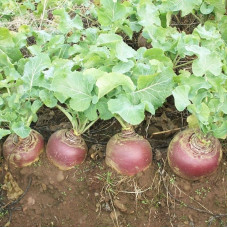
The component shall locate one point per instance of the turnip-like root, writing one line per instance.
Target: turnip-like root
(193, 157)
(128, 153)
(23, 152)
(66, 150)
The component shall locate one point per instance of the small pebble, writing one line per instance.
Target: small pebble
(119, 205)
(24, 208)
(106, 207)
(60, 177)
(197, 198)
(139, 174)
(50, 187)
(23, 171)
(158, 155)
(114, 214)
(31, 201)
(187, 187)
(162, 204)
(44, 186)
(96, 194)
(38, 211)
(191, 222)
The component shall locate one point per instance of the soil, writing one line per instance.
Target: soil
(93, 194)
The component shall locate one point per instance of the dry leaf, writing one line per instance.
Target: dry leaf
(11, 186)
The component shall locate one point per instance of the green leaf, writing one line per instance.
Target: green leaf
(192, 121)
(20, 129)
(108, 39)
(33, 69)
(201, 111)
(123, 67)
(195, 83)
(10, 45)
(6, 38)
(219, 5)
(133, 114)
(110, 12)
(67, 24)
(75, 86)
(42, 37)
(222, 26)
(48, 98)
(208, 63)
(206, 9)
(74, 37)
(149, 107)
(4, 132)
(185, 6)
(180, 94)
(207, 32)
(4, 60)
(91, 112)
(124, 52)
(110, 81)
(102, 107)
(158, 54)
(220, 131)
(93, 73)
(36, 105)
(154, 88)
(197, 50)
(1, 101)
(148, 14)
(162, 38)
(35, 49)
(185, 41)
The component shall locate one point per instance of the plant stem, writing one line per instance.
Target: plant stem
(83, 125)
(89, 125)
(88, 18)
(125, 125)
(68, 115)
(43, 13)
(175, 59)
(184, 64)
(201, 22)
(8, 91)
(29, 120)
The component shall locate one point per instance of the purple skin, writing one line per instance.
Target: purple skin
(128, 154)
(66, 150)
(192, 159)
(23, 152)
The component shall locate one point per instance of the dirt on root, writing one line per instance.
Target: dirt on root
(92, 194)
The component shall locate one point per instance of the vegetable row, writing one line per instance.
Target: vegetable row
(91, 72)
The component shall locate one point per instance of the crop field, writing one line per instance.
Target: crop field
(113, 113)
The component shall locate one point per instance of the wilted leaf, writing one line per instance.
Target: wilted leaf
(11, 186)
